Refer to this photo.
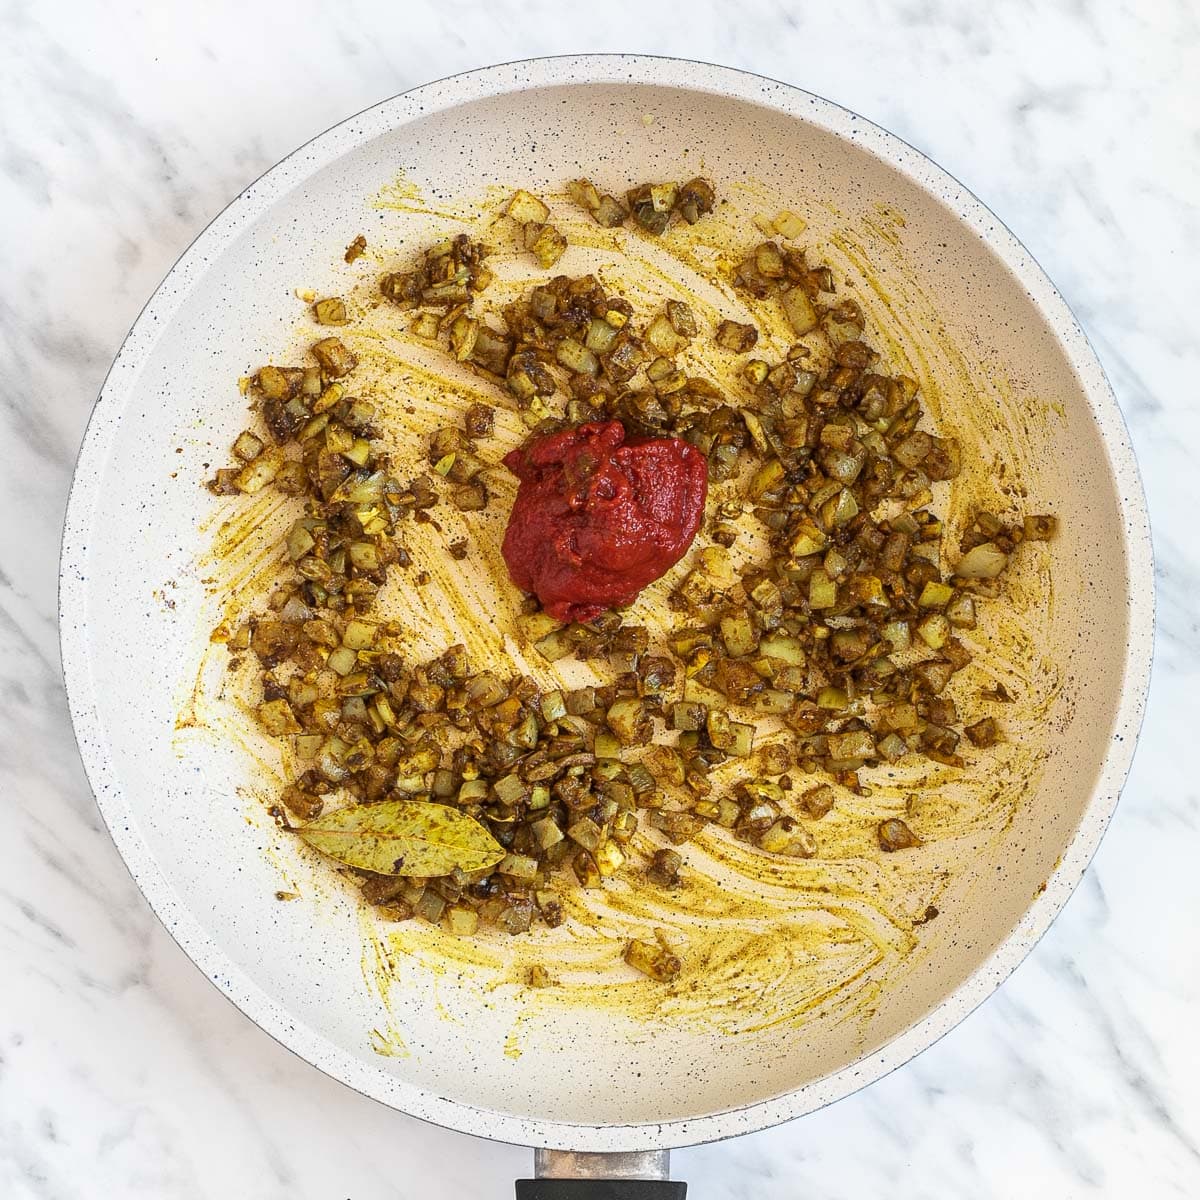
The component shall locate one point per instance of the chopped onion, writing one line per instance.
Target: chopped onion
(985, 561)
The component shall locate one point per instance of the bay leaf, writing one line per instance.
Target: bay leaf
(403, 837)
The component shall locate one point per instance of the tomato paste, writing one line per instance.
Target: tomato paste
(598, 517)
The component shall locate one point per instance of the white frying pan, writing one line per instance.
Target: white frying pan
(448, 1039)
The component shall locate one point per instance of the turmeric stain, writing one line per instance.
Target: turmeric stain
(765, 941)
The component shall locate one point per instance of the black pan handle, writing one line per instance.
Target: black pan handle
(600, 1189)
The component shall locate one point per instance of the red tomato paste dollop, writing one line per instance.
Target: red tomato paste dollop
(597, 518)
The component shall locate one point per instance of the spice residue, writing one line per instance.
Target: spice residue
(764, 940)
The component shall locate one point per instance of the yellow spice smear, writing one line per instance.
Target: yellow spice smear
(764, 940)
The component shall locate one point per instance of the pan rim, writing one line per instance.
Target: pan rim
(103, 426)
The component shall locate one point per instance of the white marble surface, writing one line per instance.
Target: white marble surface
(125, 127)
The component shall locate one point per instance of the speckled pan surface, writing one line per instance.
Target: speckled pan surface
(136, 611)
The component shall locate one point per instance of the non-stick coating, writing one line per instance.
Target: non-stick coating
(136, 611)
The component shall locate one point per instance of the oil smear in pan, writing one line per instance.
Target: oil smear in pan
(765, 941)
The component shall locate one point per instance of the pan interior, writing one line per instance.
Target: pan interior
(802, 990)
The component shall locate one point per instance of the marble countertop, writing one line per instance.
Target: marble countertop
(125, 127)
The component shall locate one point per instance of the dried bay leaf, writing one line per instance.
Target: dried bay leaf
(403, 837)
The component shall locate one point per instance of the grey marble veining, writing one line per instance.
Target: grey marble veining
(124, 128)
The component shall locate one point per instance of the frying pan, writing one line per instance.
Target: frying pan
(603, 1092)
